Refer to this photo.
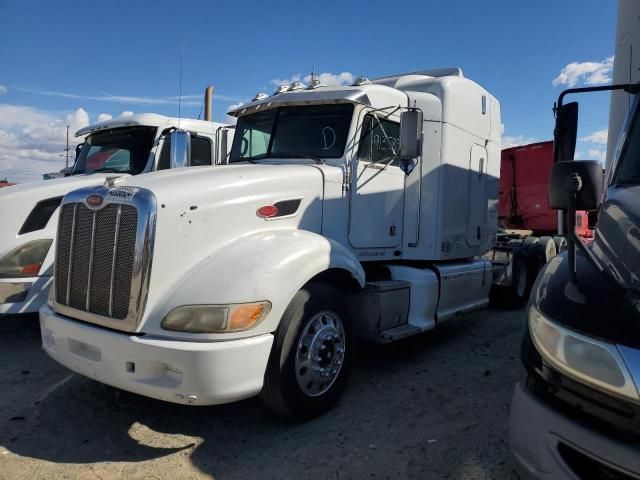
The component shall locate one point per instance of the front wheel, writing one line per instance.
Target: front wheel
(311, 357)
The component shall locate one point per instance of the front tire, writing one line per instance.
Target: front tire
(311, 357)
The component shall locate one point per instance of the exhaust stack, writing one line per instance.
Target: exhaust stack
(208, 103)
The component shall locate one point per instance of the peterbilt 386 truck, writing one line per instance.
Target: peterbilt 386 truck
(344, 213)
(119, 147)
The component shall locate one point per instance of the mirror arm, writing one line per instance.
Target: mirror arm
(632, 88)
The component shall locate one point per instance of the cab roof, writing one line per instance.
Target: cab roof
(151, 120)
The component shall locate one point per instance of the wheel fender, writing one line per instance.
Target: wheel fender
(268, 265)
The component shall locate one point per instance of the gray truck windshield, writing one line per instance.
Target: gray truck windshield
(314, 131)
(629, 170)
(121, 150)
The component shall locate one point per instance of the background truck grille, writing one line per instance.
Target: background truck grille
(95, 258)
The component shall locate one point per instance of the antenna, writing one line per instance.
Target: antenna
(180, 84)
(313, 74)
(66, 151)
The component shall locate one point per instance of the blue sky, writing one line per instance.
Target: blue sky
(71, 61)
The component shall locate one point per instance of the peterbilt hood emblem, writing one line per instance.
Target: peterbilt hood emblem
(95, 200)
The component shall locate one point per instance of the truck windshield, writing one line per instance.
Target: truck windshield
(318, 131)
(120, 150)
(629, 170)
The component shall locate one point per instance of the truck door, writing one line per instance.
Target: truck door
(477, 177)
(377, 190)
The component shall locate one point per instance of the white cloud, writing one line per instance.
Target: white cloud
(32, 141)
(599, 137)
(188, 100)
(510, 141)
(590, 73)
(126, 113)
(103, 117)
(78, 119)
(597, 154)
(331, 79)
(3, 89)
(228, 118)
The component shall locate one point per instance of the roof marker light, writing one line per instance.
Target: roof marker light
(315, 83)
(296, 86)
(361, 81)
(260, 96)
(281, 89)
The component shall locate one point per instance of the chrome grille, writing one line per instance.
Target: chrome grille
(95, 258)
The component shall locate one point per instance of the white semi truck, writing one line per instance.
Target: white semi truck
(120, 147)
(345, 212)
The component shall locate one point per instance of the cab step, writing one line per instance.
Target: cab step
(396, 333)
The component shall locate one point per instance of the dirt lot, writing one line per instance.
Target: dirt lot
(433, 406)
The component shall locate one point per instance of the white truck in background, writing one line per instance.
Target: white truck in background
(344, 212)
(119, 147)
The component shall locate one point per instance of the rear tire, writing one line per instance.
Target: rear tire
(549, 248)
(310, 361)
(561, 243)
(518, 292)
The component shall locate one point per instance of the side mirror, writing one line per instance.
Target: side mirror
(180, 148)
(565, 132)
(410, 134)
(582, 178)
(223, 145)
(78, 150)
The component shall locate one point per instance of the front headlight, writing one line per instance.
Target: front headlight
(215, 318)
(586, 359)
(25, 260)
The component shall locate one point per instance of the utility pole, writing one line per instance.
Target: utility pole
(66, 151)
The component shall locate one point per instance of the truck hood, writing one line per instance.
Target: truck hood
(202, 211)
(17, 201)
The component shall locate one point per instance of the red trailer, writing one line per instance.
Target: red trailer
(524, 175)
(527, 236)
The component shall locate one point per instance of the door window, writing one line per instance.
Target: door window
(375, 146)
(200, 152)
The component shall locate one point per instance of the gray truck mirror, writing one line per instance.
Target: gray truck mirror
(564, 134)
(180, 148)
(410, 134)
(582, 178)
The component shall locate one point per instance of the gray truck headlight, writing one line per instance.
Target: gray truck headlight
(25, 260)
(583, 358)
(215, 318)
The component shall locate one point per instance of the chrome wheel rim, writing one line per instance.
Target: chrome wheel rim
(320, 353)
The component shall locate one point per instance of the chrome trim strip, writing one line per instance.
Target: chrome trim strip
(145, 203)
(113, 260)
(87, 302)
(73, 234)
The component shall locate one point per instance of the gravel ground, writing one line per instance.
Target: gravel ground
(432, 406)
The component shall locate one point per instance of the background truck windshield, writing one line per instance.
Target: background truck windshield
(122, 150)
(290, 132)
